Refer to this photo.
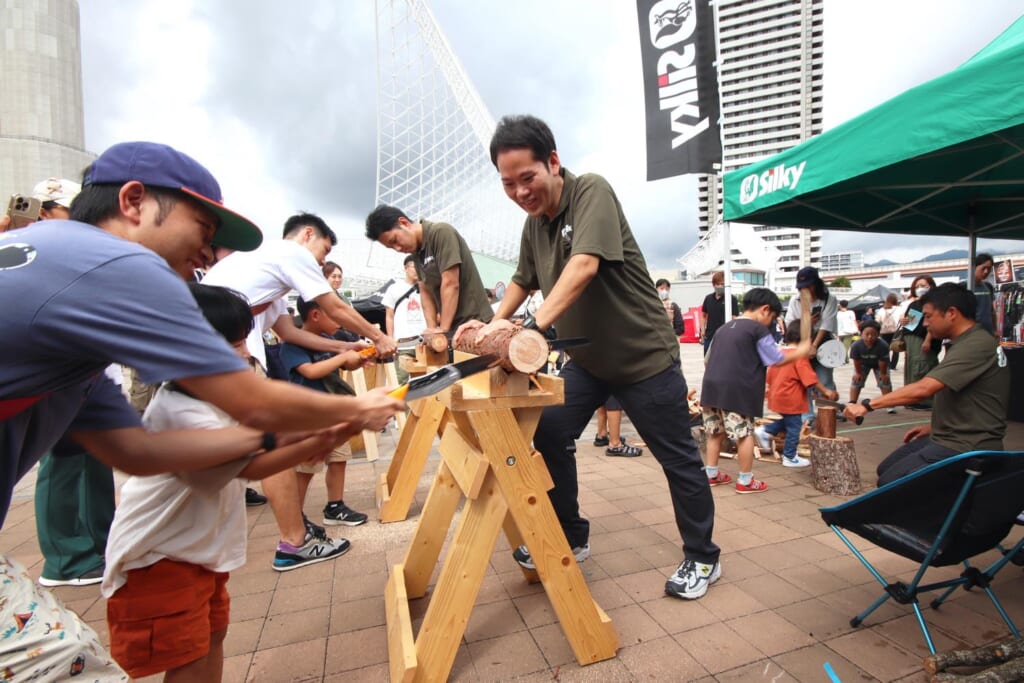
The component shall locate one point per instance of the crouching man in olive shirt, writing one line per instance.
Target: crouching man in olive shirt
(971, 391)
(578, 249)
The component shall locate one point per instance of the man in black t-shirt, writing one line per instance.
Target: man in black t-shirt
(712, 311)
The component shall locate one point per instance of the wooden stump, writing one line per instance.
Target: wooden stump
(834, 466)
(520, 350)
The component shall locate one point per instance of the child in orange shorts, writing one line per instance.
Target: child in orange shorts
(176, 537)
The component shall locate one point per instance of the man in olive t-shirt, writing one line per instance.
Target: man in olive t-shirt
(578, 249)
(451, 291)
(971, 390)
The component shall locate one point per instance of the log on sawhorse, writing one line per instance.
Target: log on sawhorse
(488, 462)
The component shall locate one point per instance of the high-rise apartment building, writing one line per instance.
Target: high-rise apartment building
(42, 128)
(841, 260)
(771, 76)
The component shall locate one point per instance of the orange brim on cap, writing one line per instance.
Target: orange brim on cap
(234, 231)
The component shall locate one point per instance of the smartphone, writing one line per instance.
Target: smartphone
(23, 210)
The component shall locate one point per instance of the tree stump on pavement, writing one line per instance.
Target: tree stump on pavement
(834, 467)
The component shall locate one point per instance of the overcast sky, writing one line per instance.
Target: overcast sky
(279, 99)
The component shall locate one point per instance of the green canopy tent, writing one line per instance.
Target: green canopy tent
(944, 158)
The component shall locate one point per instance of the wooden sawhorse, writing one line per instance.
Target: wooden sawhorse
(486, 459)
(397, 487)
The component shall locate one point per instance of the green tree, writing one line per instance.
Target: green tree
(841, 281)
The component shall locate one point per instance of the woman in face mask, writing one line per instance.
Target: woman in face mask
(671, 308)
(922, 352)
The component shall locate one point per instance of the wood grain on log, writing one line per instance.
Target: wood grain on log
(805, 314)
(436, 341)
(826, 422)
(834, 467)
(519, 350)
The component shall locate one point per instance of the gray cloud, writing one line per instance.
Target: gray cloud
(303, 78)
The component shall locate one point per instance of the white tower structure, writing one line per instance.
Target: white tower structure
(433, 137)
(42, 128)
(771, 75)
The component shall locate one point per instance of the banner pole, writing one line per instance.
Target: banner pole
(720, 176)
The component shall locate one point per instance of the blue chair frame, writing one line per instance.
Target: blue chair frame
(941, 515)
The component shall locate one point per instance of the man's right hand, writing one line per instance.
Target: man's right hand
(857, 379)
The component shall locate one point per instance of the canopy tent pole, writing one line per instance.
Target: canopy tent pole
(972, 245)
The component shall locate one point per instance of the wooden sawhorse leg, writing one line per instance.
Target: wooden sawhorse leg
(397, 486)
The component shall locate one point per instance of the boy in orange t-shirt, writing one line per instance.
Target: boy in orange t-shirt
(787, 396)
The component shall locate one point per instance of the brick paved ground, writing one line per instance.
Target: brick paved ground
(779, 613)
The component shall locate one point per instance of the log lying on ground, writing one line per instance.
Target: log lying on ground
(834, 466)
(519, 350)
(1009, 671)
(980, 656)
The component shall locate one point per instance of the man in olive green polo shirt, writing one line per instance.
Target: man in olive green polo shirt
(971, 390)
(578, 249)
(451, 291)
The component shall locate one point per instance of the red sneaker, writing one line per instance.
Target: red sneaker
(720, 478)
(754, 486)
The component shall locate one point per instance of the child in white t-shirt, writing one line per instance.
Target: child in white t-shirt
(175, 537)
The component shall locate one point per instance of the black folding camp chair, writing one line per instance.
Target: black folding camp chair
(941, 515)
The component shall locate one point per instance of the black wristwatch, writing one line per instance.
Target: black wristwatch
(866, 402)
(269, 441)
(530, 323)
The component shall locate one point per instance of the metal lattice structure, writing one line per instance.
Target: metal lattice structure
(433, 133)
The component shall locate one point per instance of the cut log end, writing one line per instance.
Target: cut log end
(437, 341)
(519, 350)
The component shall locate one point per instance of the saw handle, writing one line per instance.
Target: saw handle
(399, 392)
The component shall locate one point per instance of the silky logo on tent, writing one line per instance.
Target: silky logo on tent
(674, 24)
(776, 178)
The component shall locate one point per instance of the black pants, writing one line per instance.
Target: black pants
(657, 408)
(911, 457)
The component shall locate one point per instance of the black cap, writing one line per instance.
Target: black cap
(806, 277)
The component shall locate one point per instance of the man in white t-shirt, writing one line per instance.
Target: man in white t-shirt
(846, 324)
(265, 276)
(402, 302)
(404, 313)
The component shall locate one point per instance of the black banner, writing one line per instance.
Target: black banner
(677, 47)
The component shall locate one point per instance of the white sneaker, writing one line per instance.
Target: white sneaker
(691, 580)
(795, 462)
(763, 439)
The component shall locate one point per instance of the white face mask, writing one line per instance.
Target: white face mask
(663, 293)
(921, 291)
